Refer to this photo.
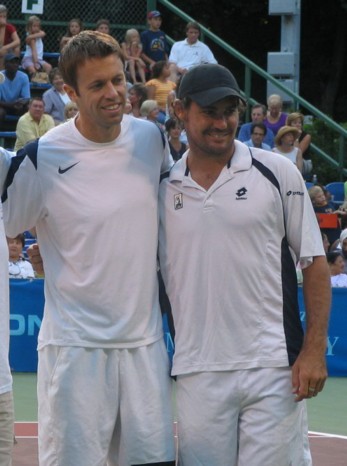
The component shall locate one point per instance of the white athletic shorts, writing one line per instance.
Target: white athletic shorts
(99, 405)
(243, 418)
(6, 428)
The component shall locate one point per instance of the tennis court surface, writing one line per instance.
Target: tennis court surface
(327, 423)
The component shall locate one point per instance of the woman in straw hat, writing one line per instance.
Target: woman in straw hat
(285, 145)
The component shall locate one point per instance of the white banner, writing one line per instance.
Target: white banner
(34, 7)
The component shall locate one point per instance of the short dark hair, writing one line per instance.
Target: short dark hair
(193, 25)
(259, 125)
(141, 91)
(332, 256)
(172, 123)
(262, 106)
(53, 73)
(158, 68)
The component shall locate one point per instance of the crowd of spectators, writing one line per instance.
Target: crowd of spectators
(153, 72)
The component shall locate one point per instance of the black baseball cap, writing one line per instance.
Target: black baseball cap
(206, 84)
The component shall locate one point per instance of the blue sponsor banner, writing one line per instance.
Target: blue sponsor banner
(26, 311)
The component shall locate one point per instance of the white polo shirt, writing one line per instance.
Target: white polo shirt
(186, 55)
(228, 270)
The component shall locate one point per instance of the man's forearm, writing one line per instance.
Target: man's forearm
(317, 297)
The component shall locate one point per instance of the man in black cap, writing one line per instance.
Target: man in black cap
(234, 221)
(14, 89)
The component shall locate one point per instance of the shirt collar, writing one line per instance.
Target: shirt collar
(240, 161)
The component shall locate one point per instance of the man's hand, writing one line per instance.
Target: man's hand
(309, 374)
(35, 258)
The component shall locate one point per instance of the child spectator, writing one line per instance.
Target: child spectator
(159, 87)
(154, 42)
(322, 206)
(132, 50)
(9, 39)
(336, 264)
(74, 27)
(174, 129)
(70, 110)
(33, 56)
(18, 267)
(103, 25)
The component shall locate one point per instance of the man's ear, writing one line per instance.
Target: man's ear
(70, 92)
(179, 109)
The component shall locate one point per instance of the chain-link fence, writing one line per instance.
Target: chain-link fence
(122, 14)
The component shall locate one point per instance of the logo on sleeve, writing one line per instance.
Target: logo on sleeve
(64, 170)
(178, 201)
(295, 193)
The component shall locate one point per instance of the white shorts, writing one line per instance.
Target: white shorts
(98, 405)
(6, 428)
(243, 418)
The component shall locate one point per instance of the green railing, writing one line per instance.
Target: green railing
(338, 159)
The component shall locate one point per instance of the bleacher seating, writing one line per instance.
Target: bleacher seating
(336, 189)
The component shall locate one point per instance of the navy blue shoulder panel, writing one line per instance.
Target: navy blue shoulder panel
(266, 172)
(291, 314)
(164, 175)
(30, 150)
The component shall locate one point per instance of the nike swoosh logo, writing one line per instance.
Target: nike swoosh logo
(64, 170)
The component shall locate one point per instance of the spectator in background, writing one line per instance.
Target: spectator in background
(70, 110)
(296, 120)
(15, 90)
(337, 264)
(132, 50)
(75, 26)
(18, 267)
(322, 206)
(258, 133)
(342, 247)
(9, 39)
(285, 145)
(33, 56)
(154, 42)
(56, 98)
(160, 86)
(103, 25)
(189, 52)
(150, 110)
(275, 118)
(258, 115)
(137, 94)
(33, 124)
(173, 128)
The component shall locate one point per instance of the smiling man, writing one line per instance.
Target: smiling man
(234, 221)
(90, 186)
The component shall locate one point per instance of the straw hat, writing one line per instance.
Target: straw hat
(285, 130)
